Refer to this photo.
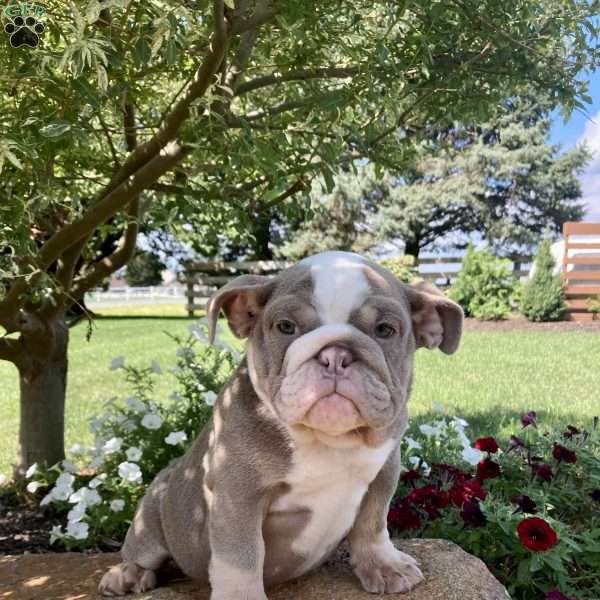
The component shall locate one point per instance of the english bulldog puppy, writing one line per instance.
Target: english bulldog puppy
(303, 447)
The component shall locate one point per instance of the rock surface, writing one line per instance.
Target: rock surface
(450, 574)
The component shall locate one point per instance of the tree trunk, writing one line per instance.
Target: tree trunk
(412, 247)
(43, 383)
(262, 236)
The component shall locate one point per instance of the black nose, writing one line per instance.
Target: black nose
(335, 359)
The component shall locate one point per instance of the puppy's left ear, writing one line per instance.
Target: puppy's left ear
(437, 321)
(241, 300)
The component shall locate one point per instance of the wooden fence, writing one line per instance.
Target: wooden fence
(581, 269)
(203, 278)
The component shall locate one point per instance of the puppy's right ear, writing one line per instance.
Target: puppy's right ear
(241, 300)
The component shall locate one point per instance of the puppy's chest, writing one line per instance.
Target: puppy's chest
(326, 486)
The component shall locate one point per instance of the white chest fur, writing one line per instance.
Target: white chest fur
(330, 483)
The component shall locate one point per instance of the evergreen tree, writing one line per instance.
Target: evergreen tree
(144, 269)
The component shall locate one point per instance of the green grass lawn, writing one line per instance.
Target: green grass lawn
(490, 381)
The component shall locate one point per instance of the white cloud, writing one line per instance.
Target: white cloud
(590, 179)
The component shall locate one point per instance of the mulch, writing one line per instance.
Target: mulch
(520, 324)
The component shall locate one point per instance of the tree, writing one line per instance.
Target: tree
(501, 179)
(144, 269)
(543, 296)
(200, 115)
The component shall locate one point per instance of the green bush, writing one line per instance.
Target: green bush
(594, 304)
(98, 488)
(543, 297)
(484, 287)
(404, 267)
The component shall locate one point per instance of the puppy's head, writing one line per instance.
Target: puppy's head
(332, 340)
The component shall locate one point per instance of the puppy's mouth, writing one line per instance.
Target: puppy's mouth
(334, 414)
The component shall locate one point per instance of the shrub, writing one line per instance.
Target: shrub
(484, 286)
(404, 267)
(594, 304)
(543, 297)
(530, 507)
(135, 438)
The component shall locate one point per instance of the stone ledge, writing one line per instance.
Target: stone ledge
(450, 574)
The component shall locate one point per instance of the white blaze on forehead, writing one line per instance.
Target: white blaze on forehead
(340, 284)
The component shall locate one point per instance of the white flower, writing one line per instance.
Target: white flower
(85, 495)
(78, 530)
(56, 534)
(155, 367)
(464, 440)
(133, 454)
(2, 478)
(414, 460)
(33, 486)
(129, 426)
(459, 423)
(76, 449)
(209, 398)
(120, 418)
(130, 472)
(117, 505)
(31, 471)
(472, 455)
(77, 513)
(136, 405)
(117, 363)
(68, 466)
(176, 397)
(97, 481)
(96, 423)
(412, 444)
(65, 480)
(429, 431)
(437, 407)
(198, 332)
(152, 421)
(97, 462)
(113, 445)
(176, 437)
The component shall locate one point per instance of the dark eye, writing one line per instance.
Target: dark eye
(286, 327)
(384, 330)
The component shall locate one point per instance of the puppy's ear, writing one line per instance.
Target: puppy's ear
(437, 321)
(242, 301)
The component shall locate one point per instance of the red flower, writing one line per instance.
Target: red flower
(536, 534)
(410, 476)
(543, 471)
(430, 499)
(571, 432)
(524, 504)
(472, 515)
(449, 472)
(402, 517)
(558, 595)
(529, 418)
(488, 469)
(463, 492)
(561, 453)
(486, 444)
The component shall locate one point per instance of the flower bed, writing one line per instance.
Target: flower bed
(530, 508)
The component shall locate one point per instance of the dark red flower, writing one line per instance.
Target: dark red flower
(595, 495)
(561, 453)
(488, 469)
(571, 432)
(468, 490)
(410, 476)
(558, 595)
(529, 418)
(516, 442)
(486, 444)
(472, 515)
(524, 504)
(543, 471)
(402, 517)
(449, 472)
(536, 534)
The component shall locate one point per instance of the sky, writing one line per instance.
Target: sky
(579, 129)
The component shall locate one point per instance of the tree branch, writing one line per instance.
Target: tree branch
(300, 75)
(113, 150)
(263, 13)
(119, 258)
(10, 350)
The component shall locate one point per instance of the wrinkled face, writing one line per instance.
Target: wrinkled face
(331, 344)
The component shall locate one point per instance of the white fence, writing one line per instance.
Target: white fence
(135, 295)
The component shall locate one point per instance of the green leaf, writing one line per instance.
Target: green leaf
(55, 129)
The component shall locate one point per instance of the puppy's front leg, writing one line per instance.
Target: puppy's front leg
(237, 545)
(380, 567)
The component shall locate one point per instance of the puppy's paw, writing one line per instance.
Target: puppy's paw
(126, 577)
(382, 569)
